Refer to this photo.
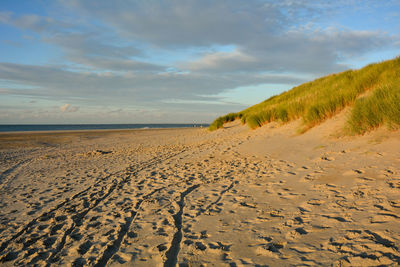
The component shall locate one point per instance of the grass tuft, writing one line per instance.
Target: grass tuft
(219, 122)
(381, 107)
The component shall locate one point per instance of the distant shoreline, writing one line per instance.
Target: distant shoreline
(30, 128)
(55, 138)
(88, 131)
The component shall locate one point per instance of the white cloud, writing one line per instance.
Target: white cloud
(269, 36)
(67, 108)
(214, 61)
(5, 16)
(130, 87)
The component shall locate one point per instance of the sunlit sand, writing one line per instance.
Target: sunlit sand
(231, 197)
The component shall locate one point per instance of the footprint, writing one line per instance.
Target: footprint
(338, 218)
(10, 256)
(315, 202)
(302, 250)
(162, 247)
(301, 231)
(83, 248)
(49, 241)
(200, 246)
(79, 262)
(275, 246)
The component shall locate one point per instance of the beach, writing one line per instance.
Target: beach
(232, 197)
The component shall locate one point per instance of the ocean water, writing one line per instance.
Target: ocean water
(67, 127)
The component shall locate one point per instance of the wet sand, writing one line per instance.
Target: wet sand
(232, 197)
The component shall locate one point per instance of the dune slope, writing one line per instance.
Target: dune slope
(373, 94)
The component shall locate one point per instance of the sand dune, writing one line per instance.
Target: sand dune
(232, 197)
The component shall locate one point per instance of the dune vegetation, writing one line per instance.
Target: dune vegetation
(372, 93)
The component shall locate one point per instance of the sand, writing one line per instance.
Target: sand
(232, 197)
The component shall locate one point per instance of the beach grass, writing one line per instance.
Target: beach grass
(372, 93)
(218, 123)
(382, 107)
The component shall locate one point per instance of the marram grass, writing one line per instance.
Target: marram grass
(381, 107)
(373, 92)
(218, 123)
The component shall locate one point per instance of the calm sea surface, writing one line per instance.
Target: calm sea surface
(66, 127)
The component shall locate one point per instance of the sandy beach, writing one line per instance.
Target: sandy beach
(232, 197)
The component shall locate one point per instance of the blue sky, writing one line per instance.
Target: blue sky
(70, 61)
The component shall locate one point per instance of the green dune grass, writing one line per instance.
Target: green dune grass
(373, 93)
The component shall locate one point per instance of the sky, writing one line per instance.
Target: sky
(174, 61)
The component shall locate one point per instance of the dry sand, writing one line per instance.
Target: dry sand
(228, 198)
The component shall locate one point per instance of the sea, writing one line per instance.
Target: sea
(68, 127)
